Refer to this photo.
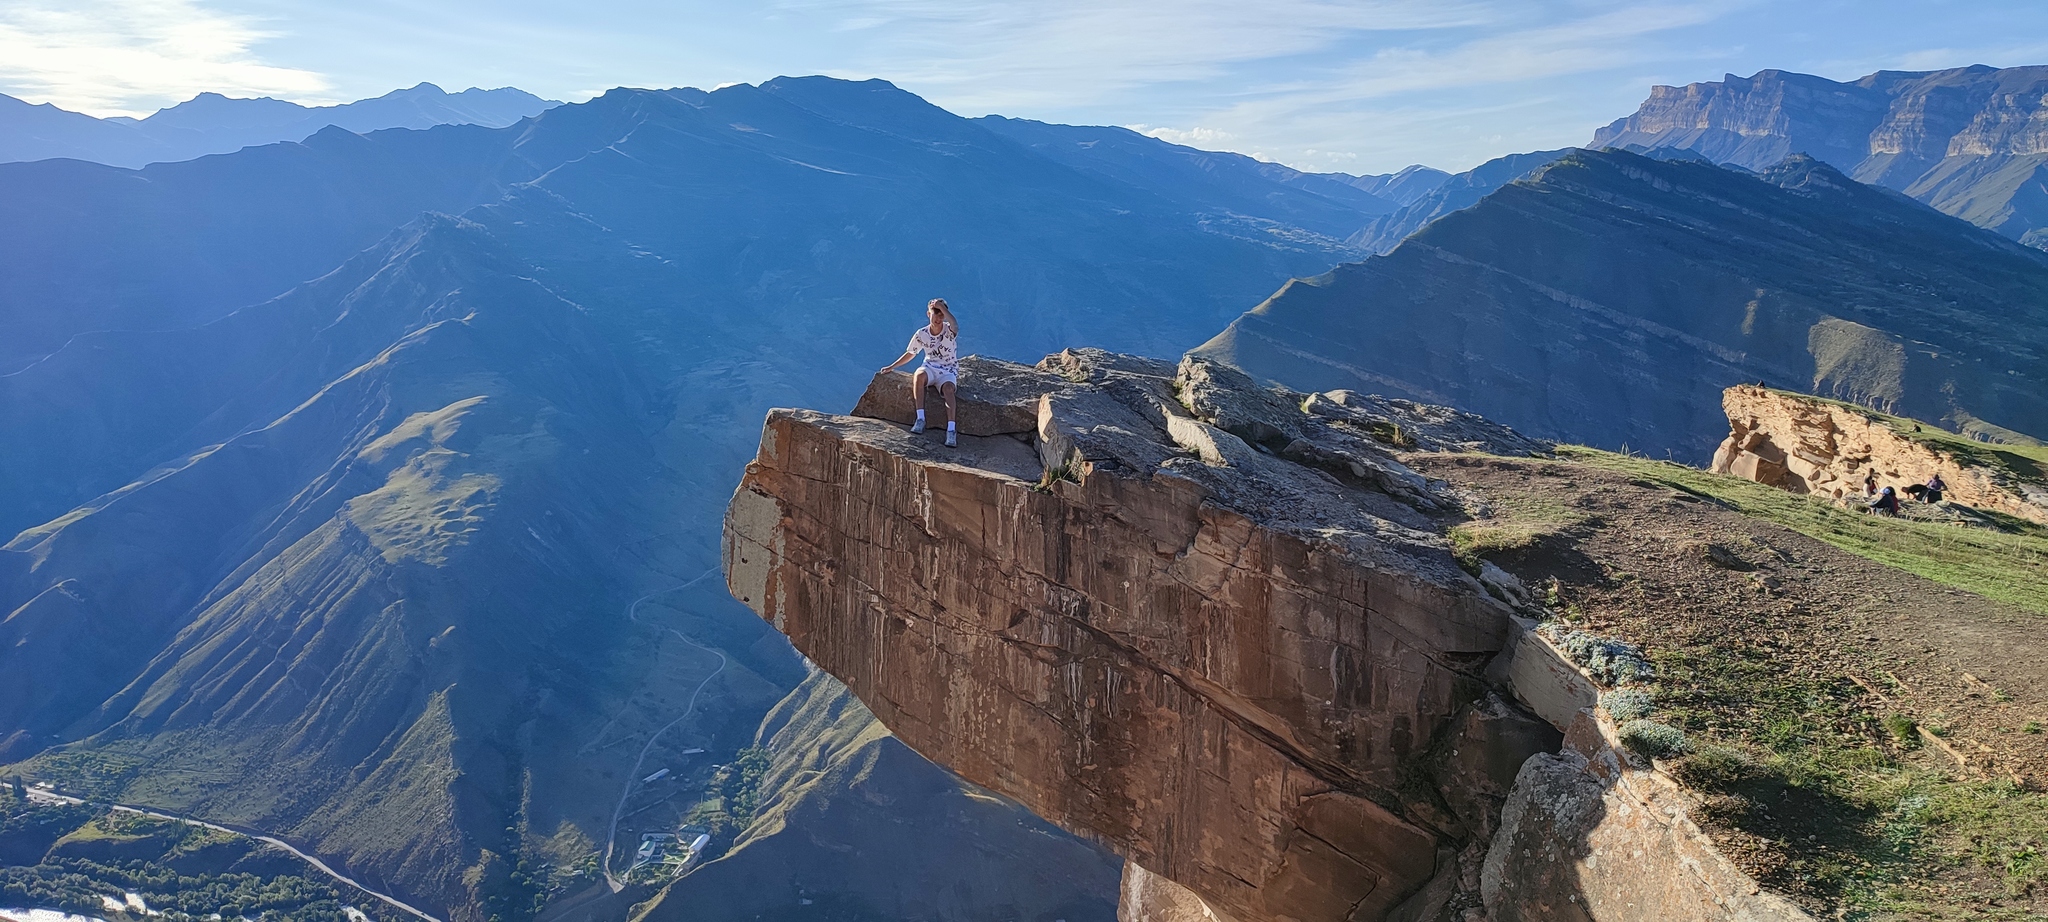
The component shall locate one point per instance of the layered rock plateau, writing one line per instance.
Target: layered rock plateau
(1218, 629)
(1808, 445)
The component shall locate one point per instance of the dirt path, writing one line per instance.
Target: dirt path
(633, 776)
(344, 879)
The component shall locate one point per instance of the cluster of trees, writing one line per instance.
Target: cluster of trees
(77, 886)
(731, 796)
(739, 785)
(27, 829)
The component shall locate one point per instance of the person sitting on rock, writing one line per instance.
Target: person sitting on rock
(939, 341)
(1886, 503)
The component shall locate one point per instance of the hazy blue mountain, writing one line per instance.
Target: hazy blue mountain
(359, 563)
(1227, 183)
(1971, 141)
(90, 247)
(1403, 187)
(1609, 297)
(214, 124)
(1449, 194)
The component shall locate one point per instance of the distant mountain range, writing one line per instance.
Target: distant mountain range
(1445, 194)
(1403, 187)
(1331, 204)
(1972, 141)
(1609, 297)
(214, 124)
(364, 505)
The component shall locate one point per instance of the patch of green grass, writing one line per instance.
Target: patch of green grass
(1471, 541)
(1054, 475)
(1514, 523)
(1793, 759)
(2009, 566)
(88, 773)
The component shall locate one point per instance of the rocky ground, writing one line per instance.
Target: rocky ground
(1865, 739)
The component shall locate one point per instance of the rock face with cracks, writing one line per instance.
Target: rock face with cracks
(1211, 625)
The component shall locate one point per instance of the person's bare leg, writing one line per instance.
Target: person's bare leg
(946, 390)
(917, 399)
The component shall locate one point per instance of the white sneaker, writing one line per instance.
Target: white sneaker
(952, 440)
(917, 427)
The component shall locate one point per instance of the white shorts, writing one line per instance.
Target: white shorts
(935, 376)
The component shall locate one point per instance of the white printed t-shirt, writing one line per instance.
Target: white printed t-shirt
(941, 364)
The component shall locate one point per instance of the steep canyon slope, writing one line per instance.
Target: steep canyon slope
(422, 537)
(1971, 141)
(1610, 297)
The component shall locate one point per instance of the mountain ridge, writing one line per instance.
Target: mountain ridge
(1965, 140)
(1609, 297)
(211, 123)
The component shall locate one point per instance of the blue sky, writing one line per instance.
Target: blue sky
(1362, 86)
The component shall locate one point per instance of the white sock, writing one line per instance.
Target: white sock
(949, 425)
(920, 415)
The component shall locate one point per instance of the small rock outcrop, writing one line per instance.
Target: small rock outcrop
(1825, 448)
(1589, 833)
(1212, 625)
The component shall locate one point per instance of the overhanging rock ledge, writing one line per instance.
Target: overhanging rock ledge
(1211, 625)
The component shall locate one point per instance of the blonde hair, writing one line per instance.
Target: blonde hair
(947, 309)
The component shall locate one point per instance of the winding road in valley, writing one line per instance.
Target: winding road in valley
(611, 835)
(394, 902)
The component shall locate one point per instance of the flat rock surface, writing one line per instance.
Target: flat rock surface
(992, 398)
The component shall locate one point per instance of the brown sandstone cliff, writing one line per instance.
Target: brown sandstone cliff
(1216, 628)
(1809, 445)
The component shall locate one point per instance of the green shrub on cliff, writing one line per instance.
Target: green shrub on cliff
(1653, 739)
(1626, 704)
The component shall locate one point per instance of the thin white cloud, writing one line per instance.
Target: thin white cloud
(1309, 82)
(1601, 42)
(130, 57)
(1996, 56)
(988, 56)
(1188, 137)
(1317, 118)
